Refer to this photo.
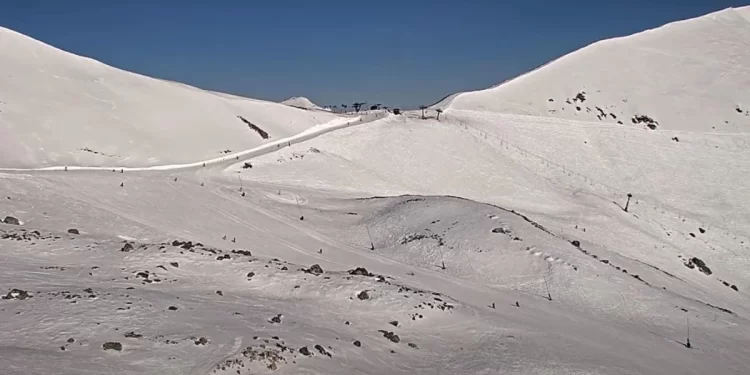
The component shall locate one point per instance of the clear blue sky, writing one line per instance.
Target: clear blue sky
(400, 53)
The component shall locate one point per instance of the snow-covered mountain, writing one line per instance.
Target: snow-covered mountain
(689, 75)
(302, 102)
(493, 240)
(57, 108)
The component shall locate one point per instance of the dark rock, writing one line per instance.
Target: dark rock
(304, 351)
(73, 231)
(500, 230)
(247, 165)
(413, 345)
(315, 269)
(692, 234)
(128, 247)
(250, 274)
(172, 308)
(133, 335)
(174, 264)
(576, 243)
(363, 295)
(360, 271)
(112, 346)
(390, 336)
(702, 230)
(242, 252)
(322, 350)
(219, 292)
(357, 343)
(10, 220)
(71, 340)
(394, 323)
(276, 319)
(201, 341)
(701, 265)
(222, 257)
(18, 294)
(734, 287)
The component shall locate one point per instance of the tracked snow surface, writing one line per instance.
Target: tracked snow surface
(494, 240)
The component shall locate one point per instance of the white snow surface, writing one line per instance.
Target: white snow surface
(494, 242)
(57, 108)
(690, 75)
(302, 102)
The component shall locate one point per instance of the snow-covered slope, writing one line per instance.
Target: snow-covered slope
(57, 108)
(688, 75)
(302, 102)
(491, 242)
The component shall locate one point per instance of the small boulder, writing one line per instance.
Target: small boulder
(174, 264)
(201, 341)
(576, 243)
(363, 295)
(10, 220)
(360, 271)
(127, 248)
(133, 335)
(390, 336)
(276, 319)
(322, 350)
(305, 351)
(112, 346)
(315, 269)
(172, 308)
(357, 343)
(18, 294)
(73, 231)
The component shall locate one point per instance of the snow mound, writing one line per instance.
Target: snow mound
(57, 108)
(686, 75)
(304, 103)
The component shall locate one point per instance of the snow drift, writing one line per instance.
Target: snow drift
(304, 103)
(57, 108)
(687, 75)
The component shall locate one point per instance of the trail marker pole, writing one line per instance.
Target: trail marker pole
(301, 217)
(372, 244)
(546, 284)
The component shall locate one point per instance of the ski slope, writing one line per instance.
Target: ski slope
(494, 240)
(689, 75)
(57, 108)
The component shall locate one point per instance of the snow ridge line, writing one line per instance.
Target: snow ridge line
(267, 148)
